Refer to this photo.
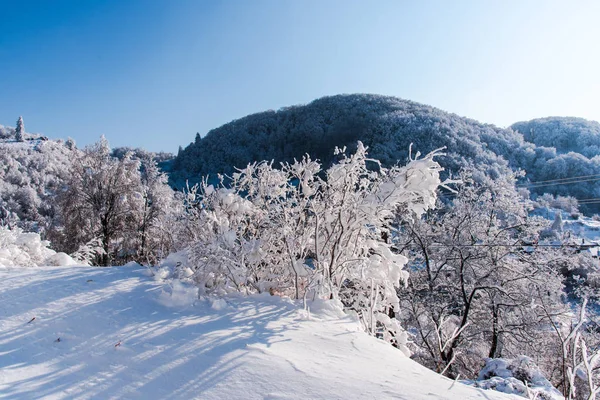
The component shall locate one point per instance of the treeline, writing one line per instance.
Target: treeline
(102, 206)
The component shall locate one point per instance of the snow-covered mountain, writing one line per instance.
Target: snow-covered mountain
(547, 149)
(89, 333)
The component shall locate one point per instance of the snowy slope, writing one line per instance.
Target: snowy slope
(122, 336)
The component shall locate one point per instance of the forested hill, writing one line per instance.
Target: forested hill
(388, 126)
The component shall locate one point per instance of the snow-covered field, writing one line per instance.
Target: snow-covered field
(102, 333)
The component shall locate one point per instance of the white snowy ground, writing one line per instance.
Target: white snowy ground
(248, 348)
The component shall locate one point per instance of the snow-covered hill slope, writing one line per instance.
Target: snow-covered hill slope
(102, 333)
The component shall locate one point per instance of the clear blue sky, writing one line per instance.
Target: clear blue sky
(152, 73)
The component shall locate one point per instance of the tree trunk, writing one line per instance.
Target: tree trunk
(494, 346)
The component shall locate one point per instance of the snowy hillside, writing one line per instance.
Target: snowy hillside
(75, 332)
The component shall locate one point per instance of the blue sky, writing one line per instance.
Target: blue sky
(152, 73)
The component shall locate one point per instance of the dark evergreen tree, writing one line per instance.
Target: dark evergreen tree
(20, 130)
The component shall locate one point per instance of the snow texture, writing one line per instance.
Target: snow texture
(105, 333)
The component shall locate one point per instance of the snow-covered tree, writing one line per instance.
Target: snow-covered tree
(116, 209)
(20, 130)
(156, 218)
(478, 279)
(100, 200)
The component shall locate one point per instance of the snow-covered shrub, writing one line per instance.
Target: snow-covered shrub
(176, 265)
(26, 249)
(290, 231)
(60, 260)
(518, 376)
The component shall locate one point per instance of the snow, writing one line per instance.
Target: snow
(509, 376)
(59, 259)
(117, 333)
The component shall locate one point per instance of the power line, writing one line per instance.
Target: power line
(588, 201)
(561, 179)
(554, 182)
(516, 245)
(566, 182)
